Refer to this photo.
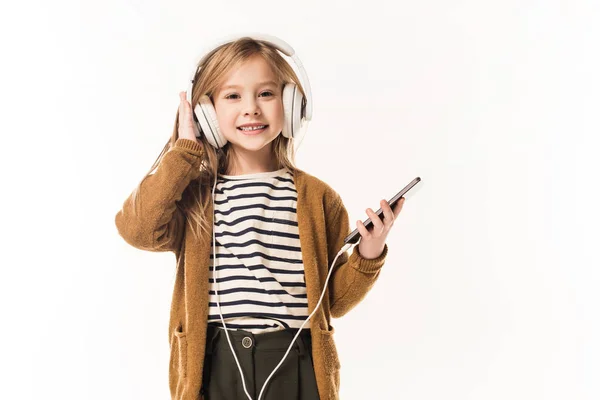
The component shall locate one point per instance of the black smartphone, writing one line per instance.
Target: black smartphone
(355, 235)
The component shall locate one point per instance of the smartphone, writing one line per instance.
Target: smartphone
(355, 235)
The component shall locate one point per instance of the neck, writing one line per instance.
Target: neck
(243, 162)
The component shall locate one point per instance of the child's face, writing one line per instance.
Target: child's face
(252, 100)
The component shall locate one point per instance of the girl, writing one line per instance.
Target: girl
(253, 257)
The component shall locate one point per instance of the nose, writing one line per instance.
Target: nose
(251, 106)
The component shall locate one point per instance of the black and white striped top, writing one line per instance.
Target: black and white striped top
(261, 282)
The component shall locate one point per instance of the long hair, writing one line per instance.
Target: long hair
(207, 79)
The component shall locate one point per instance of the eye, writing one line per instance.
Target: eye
(235, 94)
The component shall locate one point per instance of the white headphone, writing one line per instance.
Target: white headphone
(295, 124)
(295, 121)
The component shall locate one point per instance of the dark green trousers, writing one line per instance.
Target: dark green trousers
(258, 355)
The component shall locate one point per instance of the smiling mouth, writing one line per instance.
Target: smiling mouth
(262, 127)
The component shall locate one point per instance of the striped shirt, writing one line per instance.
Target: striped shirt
(261, 286)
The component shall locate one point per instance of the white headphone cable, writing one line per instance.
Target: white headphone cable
(344, 248)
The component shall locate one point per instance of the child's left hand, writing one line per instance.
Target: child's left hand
(372, 241)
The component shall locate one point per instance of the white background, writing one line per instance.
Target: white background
(490, 288)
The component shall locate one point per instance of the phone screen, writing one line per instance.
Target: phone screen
(355, 235)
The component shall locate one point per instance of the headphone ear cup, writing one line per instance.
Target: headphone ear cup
(292, 109)
(207, 116)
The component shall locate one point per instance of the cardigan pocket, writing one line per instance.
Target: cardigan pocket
(330, 354)
(179, 351)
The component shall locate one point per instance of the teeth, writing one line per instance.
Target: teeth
(253, 128)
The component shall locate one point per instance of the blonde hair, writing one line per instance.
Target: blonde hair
(208, 78)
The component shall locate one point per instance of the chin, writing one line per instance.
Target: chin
(253, 146)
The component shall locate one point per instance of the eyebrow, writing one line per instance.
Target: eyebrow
(273, 83)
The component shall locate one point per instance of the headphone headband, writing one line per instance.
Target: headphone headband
(280, 45)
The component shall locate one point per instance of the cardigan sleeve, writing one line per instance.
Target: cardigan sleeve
(155, 222)
(354, 276)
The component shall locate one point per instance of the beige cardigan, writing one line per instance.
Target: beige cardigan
(323, 223)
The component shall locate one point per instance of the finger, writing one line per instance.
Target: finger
(362, 229)
(398, 206)
(377, 224)
(181, 111)
(185, 107)
(387, 213)
(188, 108)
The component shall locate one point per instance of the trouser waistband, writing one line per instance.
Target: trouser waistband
(275, 340)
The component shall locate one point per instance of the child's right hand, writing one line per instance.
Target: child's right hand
(187, 126)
